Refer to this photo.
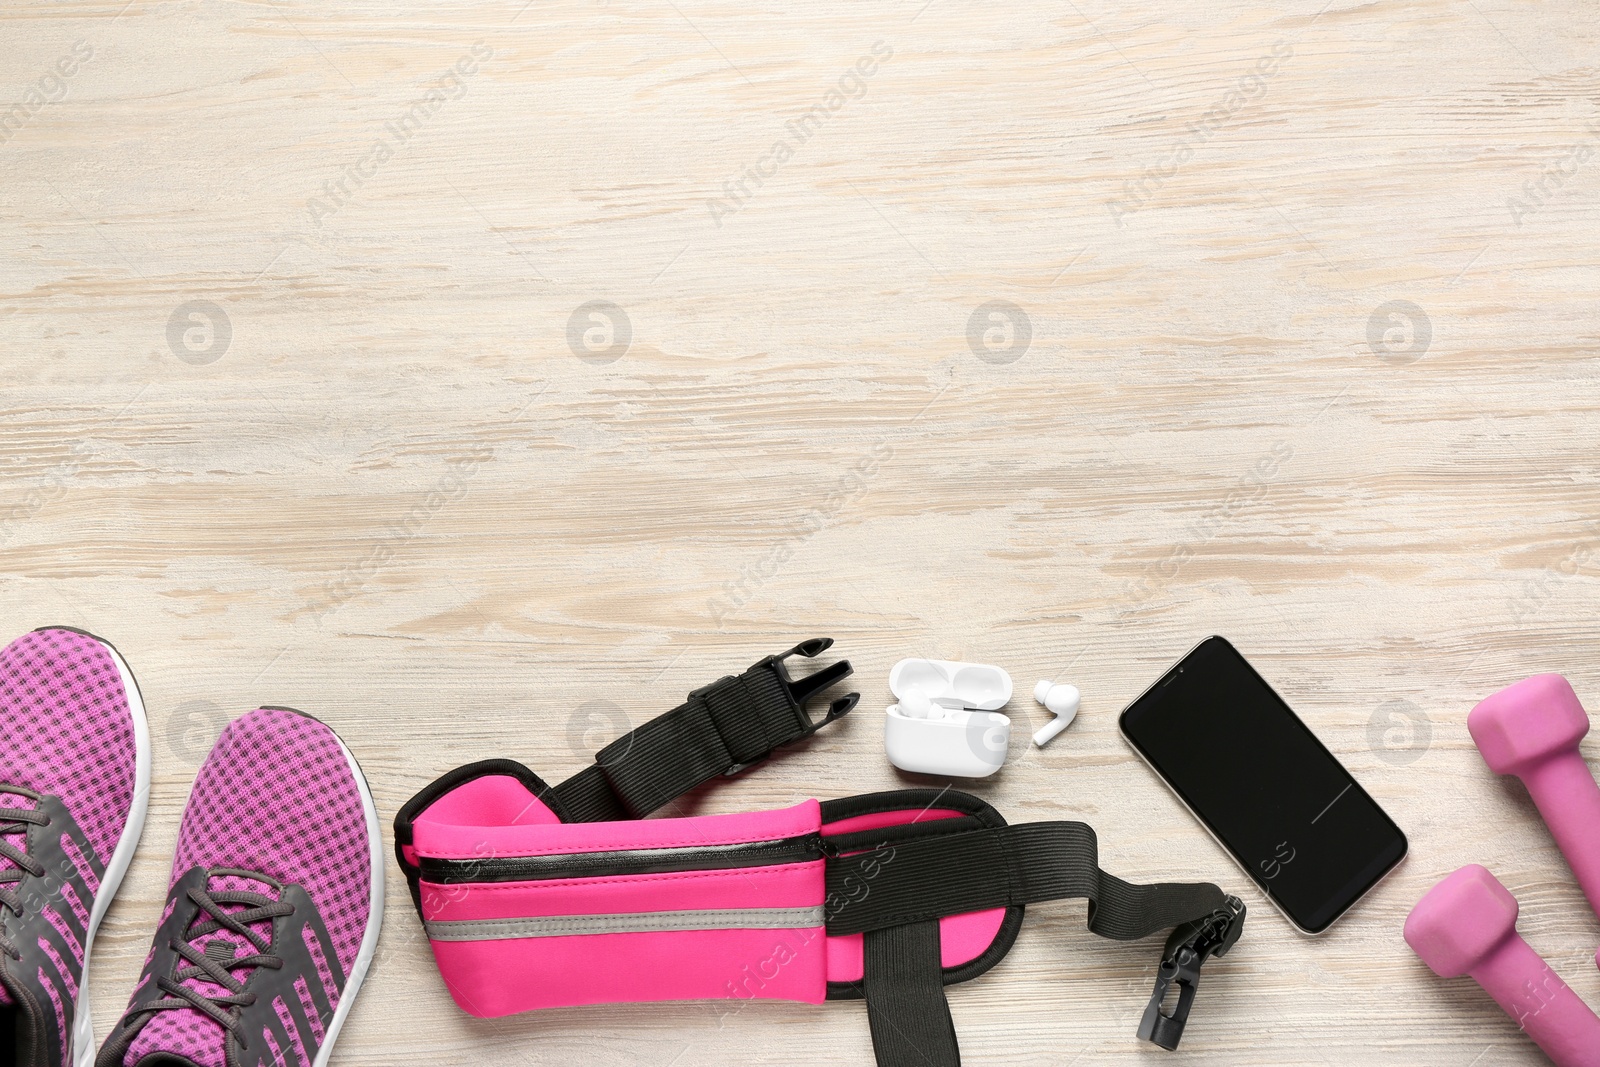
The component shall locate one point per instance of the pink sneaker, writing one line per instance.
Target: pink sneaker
(274, 910)
(74, 785)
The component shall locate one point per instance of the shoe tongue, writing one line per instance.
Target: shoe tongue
(16, 833)
(187, 1037)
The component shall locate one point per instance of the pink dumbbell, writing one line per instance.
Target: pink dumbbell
(1532, 730)
(1467, 924)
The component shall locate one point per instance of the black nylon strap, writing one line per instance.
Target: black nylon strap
(729, 723)
(906, 1008)
(721, 729)
(896, 893)
(998, 867)
(725, 725)
(588, 797)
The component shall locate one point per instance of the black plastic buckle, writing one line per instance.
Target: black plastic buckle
(800, 691)
(1216, 935)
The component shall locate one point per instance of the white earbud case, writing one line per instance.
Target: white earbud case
(946, 721)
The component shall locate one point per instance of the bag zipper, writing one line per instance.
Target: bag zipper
(802, 849)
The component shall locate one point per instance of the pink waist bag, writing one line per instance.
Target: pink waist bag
(525, 912)
(536, 896)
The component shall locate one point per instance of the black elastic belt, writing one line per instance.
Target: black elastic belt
(894, 884)
(721, 729)
(996, 868)
(904, 990)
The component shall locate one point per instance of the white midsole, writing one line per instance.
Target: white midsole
(369, 941)
(83, 1046)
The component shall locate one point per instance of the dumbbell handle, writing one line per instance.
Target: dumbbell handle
(1569, 800)
(1553, 1015)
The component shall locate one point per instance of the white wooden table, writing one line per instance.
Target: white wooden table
(1053, 335)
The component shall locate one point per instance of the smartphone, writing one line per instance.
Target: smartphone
(1244, 764)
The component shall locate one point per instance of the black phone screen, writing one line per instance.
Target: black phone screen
(1259, 779)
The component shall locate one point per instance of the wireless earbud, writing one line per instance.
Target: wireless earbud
(918, 705)
(1061, 699)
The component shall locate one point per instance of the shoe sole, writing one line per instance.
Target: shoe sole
(83, 1046)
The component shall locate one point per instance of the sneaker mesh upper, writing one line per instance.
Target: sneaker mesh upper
(276, 796)
(66, 729)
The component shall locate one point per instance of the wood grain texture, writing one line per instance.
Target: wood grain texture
(399, 499)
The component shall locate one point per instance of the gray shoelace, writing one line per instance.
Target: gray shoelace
(211, 964)
(14, 822)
